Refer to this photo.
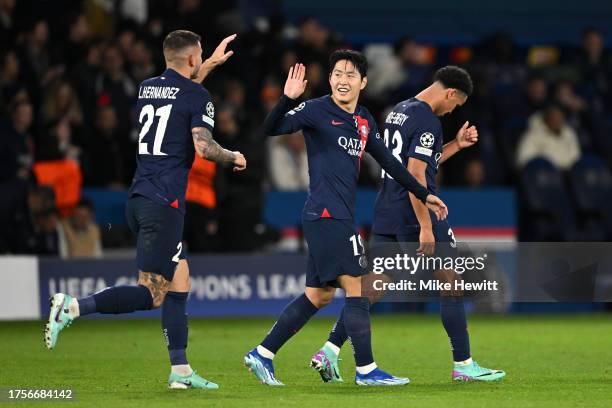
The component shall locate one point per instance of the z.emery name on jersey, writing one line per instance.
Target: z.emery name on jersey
(158, 92)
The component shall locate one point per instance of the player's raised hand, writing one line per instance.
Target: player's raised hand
(218, 57)
(239, 161)
(427, 242)
(467, 136)
(437, 206)
(296, 84)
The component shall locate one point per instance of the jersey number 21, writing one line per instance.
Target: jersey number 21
(146, 118)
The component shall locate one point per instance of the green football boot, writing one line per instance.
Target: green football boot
(474, 372)
(59, 318)
(193, 380)
(325, 362)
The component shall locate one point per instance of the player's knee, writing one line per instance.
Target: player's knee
(158, 287)
(158, 298)
(320, 297)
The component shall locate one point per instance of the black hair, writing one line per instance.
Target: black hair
(355, 57)
(179, 39)
(454, 77)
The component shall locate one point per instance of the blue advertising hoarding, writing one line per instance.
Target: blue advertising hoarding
(221, 285)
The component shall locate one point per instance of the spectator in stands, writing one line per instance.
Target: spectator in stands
(288, 162)
(390, 74)
(55, 143)
(536, 94)
(141, 61)
(62, 104)
(75, 50)
(79, 234)
(114, 86)
(36, 56)
(7, 25)
(111, 156)
(16, 154)
(474, 174)
(10, 82)
(549, 136)
(84, 75)
(595, 66)
(314, 41)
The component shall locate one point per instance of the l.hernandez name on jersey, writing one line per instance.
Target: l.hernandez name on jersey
(411, 130)
(168, 107)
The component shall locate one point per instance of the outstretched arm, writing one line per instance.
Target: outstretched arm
(207, 148)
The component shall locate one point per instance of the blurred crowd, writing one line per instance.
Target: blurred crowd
(69, 73)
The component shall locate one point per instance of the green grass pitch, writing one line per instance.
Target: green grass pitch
(552, 361)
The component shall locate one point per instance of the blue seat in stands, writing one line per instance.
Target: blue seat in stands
(591, 184)
(546, 208)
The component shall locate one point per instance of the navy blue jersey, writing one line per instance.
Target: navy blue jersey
(411, 130)
(168, 107)
(335, 142)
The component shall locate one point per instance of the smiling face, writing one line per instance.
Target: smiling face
(346, 82)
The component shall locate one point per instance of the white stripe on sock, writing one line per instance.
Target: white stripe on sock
(332, 347)
(464, 363)
(182, 369)
(264, 352)
(73, 309)
(367, 369)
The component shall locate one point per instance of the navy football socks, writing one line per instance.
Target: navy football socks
(291, 320)
(338, 335)
(357, 323)
(174, 326)
(454, 320)
(117, 299)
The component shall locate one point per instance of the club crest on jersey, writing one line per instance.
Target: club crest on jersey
(427, 140)
(210, 110)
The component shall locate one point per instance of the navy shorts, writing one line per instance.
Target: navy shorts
(443, 234)
(159, 233)
(335, 248)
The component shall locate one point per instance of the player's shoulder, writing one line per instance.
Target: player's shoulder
(419, 111)
(365, 113)
(321, 102)
(308, 106)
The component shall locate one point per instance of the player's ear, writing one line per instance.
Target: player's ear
(364, 82)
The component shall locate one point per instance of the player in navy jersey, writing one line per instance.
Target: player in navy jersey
(337, 132)
(413, 133)
(176, 120)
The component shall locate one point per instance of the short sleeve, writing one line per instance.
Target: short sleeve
(423, 140)
(202, 110)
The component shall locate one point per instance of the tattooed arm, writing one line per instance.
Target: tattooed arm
(208, 149)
